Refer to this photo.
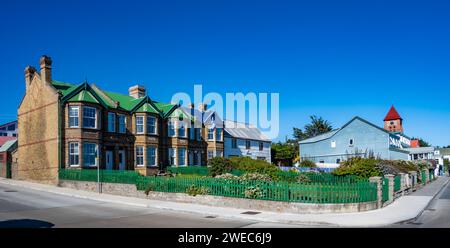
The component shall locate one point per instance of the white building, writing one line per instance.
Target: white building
(421, 153)
(242, 139)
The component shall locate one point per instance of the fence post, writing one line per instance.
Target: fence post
(377, 180)
(403, 184)
(427, 176)
(414, 179)
(390, 177)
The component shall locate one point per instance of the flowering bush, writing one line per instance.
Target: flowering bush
(195, 190)
(256, 176)
(253, 192)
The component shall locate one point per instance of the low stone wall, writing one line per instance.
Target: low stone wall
(220, 201)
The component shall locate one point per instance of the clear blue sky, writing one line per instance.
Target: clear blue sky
(335, 59)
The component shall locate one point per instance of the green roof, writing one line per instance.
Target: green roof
(78, 93)
(83, 96)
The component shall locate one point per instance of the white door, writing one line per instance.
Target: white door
(121, 160)
(109, 160)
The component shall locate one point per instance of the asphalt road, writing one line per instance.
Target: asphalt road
(22, 207)
(436, 215)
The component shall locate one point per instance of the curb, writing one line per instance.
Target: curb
(425, 208)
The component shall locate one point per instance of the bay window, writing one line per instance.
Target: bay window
(182, 156)
(139, 156)
(151, 125)
(74, 154)
(74, 116)
(89, 154)
(171, 156)
(218, 134)
(151, 156)
(89, 117)
(171, 129)
(139, 124)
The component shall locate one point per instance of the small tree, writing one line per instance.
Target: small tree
(218, 166)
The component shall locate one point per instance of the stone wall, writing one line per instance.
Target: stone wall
(219, 201)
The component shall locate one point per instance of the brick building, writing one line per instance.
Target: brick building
(80, 126)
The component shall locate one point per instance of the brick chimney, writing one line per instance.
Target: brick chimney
(29, 74)
(137, 91)
(46, 69)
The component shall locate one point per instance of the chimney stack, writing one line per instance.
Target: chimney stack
(46, 69)
(29, 74)
(137, 91)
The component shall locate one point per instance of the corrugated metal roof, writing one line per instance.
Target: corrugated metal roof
(244, 131)
(8, 144)
(320, 137)
(420, 149)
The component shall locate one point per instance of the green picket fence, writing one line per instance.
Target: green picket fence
(106, 176)
(385, 189)
(362, 191)
(397, 183)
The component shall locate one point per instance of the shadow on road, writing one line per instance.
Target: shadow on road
(25, 223)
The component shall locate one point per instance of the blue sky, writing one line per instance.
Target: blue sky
(335, 59)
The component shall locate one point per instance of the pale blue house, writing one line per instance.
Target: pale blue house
(357, 137)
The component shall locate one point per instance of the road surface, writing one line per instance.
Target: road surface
(22, 207)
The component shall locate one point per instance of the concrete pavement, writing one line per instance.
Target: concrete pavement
(403, 209)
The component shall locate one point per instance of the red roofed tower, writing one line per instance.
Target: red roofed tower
(393, 122)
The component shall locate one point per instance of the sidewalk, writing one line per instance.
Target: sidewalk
(403, 209)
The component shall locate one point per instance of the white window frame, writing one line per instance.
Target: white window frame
(138, 155)
(155, 126)
(139, 124)
(333, 144)
(74, 153)
(210, 152)
(124, 123)
(219, 134)
(351, 142)
(210, 131)
(181, 150)
(85, 153)
(77, 117)
(181, 126)
(155, 149)
(172, 156)
(171, 127)
(89, 117)
(111, 124)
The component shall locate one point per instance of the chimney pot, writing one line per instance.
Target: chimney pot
(46, 68)
(29, 74)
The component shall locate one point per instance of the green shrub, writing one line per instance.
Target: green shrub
(248, 165)
(219, 166)
(359, 167)
(195, 190)
(253, 192)
(307, 163)
(256, 176)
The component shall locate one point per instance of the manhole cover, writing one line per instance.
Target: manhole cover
(210, 217)
(431, 209)
(10, 191)
(250, 212)
(415, 223)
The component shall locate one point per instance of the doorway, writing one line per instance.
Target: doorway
(109, 160)
(121, 160)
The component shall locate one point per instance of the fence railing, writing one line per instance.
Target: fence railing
(397, 183)
(106, 176)
(362, 191)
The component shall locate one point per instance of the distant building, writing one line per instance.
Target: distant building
(6, 160)
(245, 140)
(8, 129)
(358, 138)
(421, 153)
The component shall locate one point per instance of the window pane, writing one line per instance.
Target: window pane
(139, 155)
(210, 134)
(89, 117)
(151, 156)
(139, 124)
(89, 153)
(122, 124)
(111, 122)
(181, 156)
(171, 129)
(73, 154)
(151, 124)
(219, 134)
(73, 116)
